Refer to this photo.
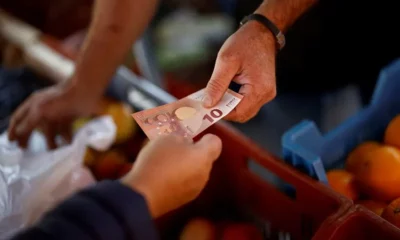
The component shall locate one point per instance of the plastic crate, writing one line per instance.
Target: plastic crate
(358, 223)
(305, 148)
(236, 192)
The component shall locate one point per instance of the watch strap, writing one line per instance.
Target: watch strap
(279, 36)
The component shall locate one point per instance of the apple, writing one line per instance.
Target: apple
(199, 229)
(108, 165)
(241, 231)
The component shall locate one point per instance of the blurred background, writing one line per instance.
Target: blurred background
(178, 50)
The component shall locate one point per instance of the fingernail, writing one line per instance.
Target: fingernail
(207, 101)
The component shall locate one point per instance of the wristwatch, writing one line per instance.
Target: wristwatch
(280, 38)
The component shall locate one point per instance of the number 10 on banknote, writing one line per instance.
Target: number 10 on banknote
(186, 117)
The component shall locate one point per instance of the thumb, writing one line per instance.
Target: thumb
(224, 72)
(210, 145)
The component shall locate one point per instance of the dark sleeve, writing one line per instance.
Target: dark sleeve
(106, 211)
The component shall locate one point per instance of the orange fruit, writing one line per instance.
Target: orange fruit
(392, 213)
(109, 164)
(380, 175)
(374, 206)
(343, 182)
(199, 229)
(357, 157)
(392, 133)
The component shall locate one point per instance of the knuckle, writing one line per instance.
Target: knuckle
(242, 117)
(267, 93)
(215, 85)
(227, 56)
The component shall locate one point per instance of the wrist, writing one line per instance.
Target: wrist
(137, 186)
(272, 11)
(257, 30)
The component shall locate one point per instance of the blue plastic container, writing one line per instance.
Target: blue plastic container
(305, 148)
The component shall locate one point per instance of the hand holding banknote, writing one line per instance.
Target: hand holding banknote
(186, 117)
(170, 172)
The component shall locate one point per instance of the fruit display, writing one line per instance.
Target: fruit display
(204, 229)
(371, 176)
(129, 140)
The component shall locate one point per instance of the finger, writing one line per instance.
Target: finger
(254, 97)
(224, 71)
(18, 116)
(50, 134)
(210, 145)
(25, 127)
(65, 131)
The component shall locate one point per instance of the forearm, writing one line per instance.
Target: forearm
(115, 26)
(284, 13)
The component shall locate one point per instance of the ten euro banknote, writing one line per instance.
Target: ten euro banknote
(186, 117)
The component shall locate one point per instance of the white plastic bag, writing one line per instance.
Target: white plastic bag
(34, 180)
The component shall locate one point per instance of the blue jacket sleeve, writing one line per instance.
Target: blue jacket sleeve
(109, 210)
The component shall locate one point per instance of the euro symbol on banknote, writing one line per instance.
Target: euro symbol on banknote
(186, 117)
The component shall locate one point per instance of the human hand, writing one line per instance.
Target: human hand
(172, 171)
(52, 110)
(247, 58)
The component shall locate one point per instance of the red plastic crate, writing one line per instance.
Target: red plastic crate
(359, 223)
(235, 192)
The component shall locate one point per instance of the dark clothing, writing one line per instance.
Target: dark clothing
(109, 210)
(337, 42)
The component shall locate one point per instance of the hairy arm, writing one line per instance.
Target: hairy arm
(284, 13)
(115, 26)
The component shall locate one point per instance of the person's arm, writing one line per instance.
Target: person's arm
(283, 13)
(109, 210)
(115, 26)
(248, 58)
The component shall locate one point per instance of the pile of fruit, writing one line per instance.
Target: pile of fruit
(372, 175)
(118, 160)
(203, 229)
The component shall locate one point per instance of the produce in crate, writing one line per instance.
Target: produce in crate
(374, 169)
(109, 164)
(121, 114)
(392, 134)
(357, 157)
(375, 206)
(392, 213)
(343, 182)
(241, 231)
(204, 229)
(199, 229)
(380, 176)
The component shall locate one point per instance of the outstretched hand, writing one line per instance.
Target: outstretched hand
(247, 58)
(171, 171)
